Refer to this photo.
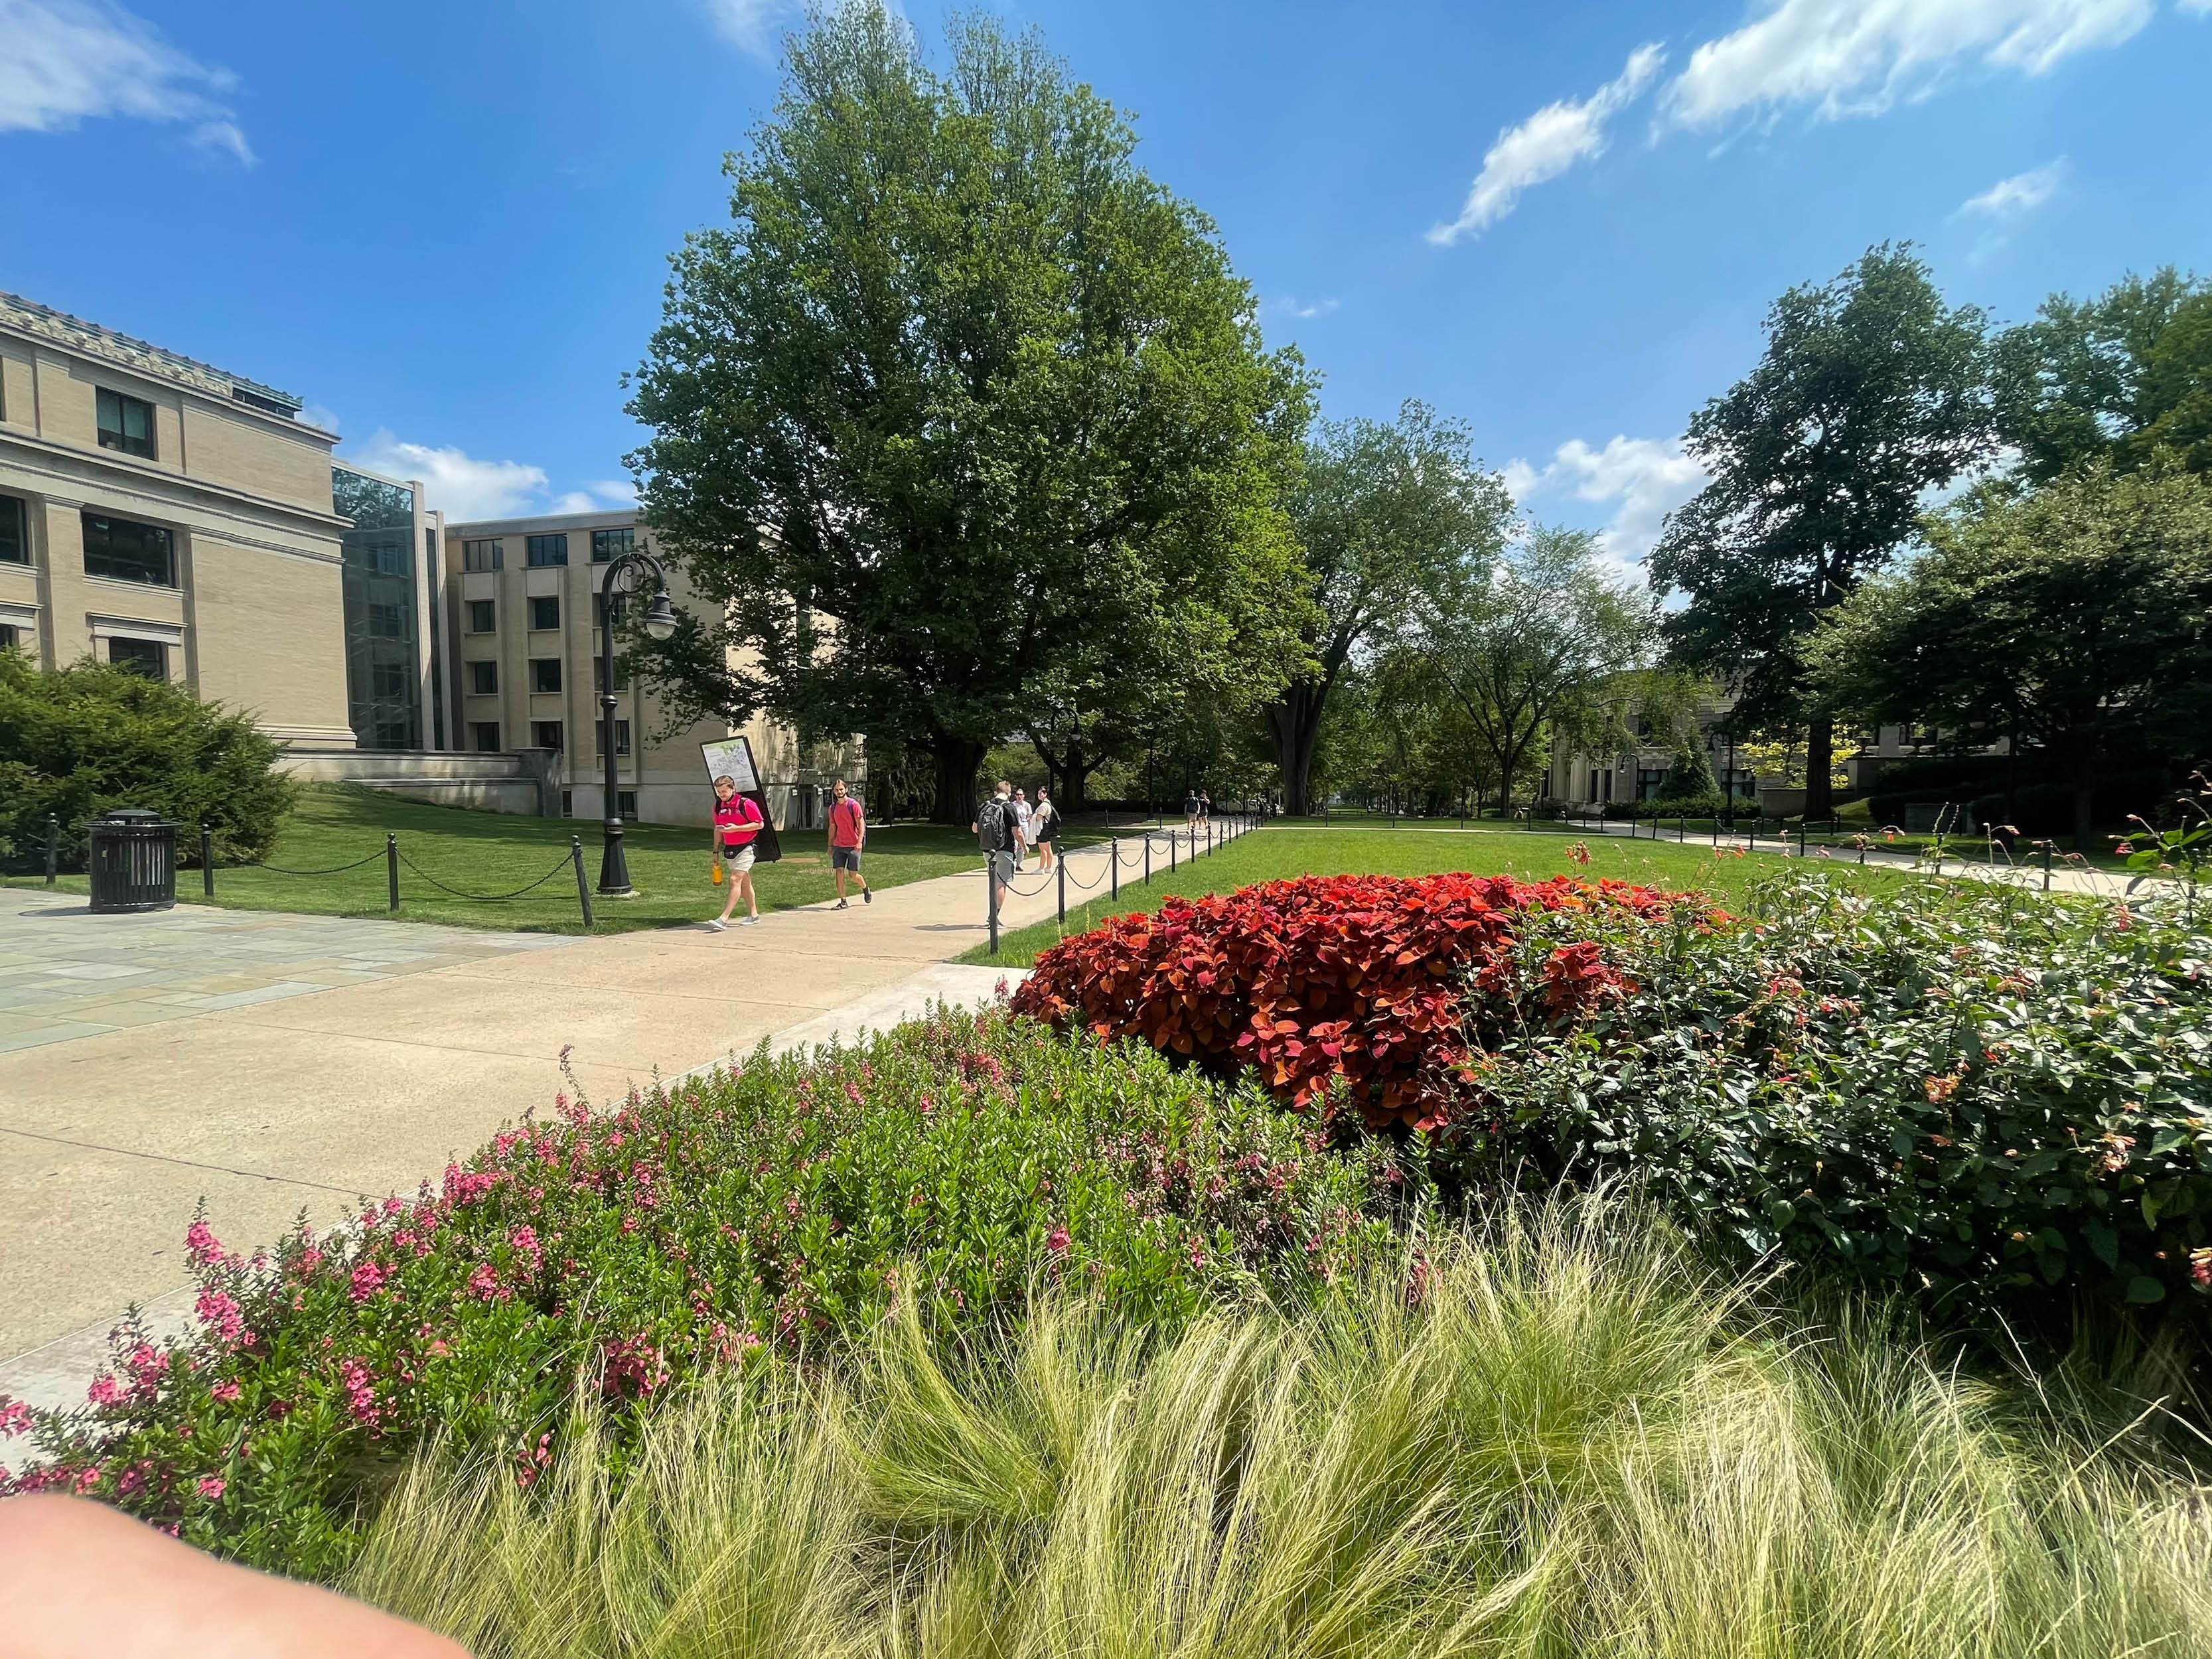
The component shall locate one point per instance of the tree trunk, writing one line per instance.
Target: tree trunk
(956, 761)
(1071, 789)
(1293, 724)
(2084, 780)
(1819, 761)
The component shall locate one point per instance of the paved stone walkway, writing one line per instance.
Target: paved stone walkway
(321, 1063)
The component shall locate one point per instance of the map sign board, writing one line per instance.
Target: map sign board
(732, 758)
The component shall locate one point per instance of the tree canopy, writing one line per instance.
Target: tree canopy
(1871, 391)
(1384, 514)
(959, 400)
(2072, 619)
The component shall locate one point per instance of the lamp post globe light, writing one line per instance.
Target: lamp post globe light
(624, 576)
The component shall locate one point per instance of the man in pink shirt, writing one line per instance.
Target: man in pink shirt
(848, 833)
(736, 821)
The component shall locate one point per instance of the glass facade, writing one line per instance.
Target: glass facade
(383, 626)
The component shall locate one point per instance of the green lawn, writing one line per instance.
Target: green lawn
(1290, 849)
(496, 853)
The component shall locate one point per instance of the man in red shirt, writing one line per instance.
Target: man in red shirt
(848, 833)
(736, 821)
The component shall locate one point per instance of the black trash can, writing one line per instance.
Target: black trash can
(134, 861)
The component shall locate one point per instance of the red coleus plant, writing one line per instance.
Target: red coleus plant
(1356, 983)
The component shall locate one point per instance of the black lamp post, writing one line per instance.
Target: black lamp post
(661, 622)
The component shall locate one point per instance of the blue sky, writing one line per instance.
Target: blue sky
(445, 225)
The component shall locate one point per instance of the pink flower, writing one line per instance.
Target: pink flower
(221, 1315)
(484, 1285)
(1058, 1242)
(367, 1280)
(202, 1248)
(211, 1488)
(225, 1392)
(360, 1392)
(15, 1418)
(105, 1391)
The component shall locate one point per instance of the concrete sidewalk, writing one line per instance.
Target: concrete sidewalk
(306, 1100)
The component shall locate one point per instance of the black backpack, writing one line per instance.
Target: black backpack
(994, 823)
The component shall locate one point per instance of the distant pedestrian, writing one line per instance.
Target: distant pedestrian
(1204, 809)
(847, 834)
(1190, 811)
(994, 833)
(1044, 825)
(738, 820)
(1022, 841)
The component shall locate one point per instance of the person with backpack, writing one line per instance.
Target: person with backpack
(738, 820)
(847, 834)
(994, 833)
(1190, 814)
(1044, 827)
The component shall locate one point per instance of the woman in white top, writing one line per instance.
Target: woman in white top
(1044, 828)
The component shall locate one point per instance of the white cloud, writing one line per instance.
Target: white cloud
(1861, 57)
(455, 482)
(1647, 479)
(749, 25)
(573, 500)
(1545, 146)
(1307, 310)
(621, 491)
(64, 61)
(316, 415)
(2023, 192)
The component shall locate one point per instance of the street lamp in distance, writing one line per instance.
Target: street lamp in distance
(624, 576)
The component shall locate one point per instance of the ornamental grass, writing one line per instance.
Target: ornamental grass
(1561, 1434)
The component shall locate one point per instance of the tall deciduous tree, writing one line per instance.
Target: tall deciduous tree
(1870, 393)
(957, 389)
(2117, 378)
(1537, 646)
(2074, 619)
(1384, 514)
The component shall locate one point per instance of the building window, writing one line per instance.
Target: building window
(545, 612)
(147, 657)
(599, 737)
(386, 621)
(125, 423)
(9, 639)
(626, 804)
(545, 674)
(482, 556)
(128, 551)
(545, 734)
(1648, 780)
(483, 680)
(15, 545)
(608, 545)
(548, 550)
(485, 735)
(484, 616)
(567, 804)
(599, 677)
(600, 609)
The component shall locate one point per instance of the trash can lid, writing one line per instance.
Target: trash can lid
(132, 814)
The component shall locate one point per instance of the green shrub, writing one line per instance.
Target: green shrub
(1689, 776)
(77, 741)
(1572, 1440)
(1995, 1099)
(782, 1204)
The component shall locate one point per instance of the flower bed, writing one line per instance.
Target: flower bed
(1356, 986)
(778, 1205)
(1987, 1098)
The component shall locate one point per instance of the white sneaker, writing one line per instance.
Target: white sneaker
(747, 921)
(715, 924)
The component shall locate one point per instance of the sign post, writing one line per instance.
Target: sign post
(732, 758)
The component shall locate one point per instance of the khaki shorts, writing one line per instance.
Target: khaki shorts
(739, 859)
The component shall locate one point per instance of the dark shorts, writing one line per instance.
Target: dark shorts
(845, 857)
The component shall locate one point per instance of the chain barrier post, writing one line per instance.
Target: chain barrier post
(1171, 852)
(583, 887)
(2046, 866)
(1801, 838)
(53, 846)
(1059, 869)
(391, 872)
(1114, 853)
(1148, 856)
(207, 862)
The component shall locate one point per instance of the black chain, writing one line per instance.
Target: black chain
(335, 869)
(565, 863)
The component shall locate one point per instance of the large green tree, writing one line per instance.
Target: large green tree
(1541, 646)
(959, 393)
(2119, 378)
(1870, 393)
(2076, 620)
(1384, 514)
